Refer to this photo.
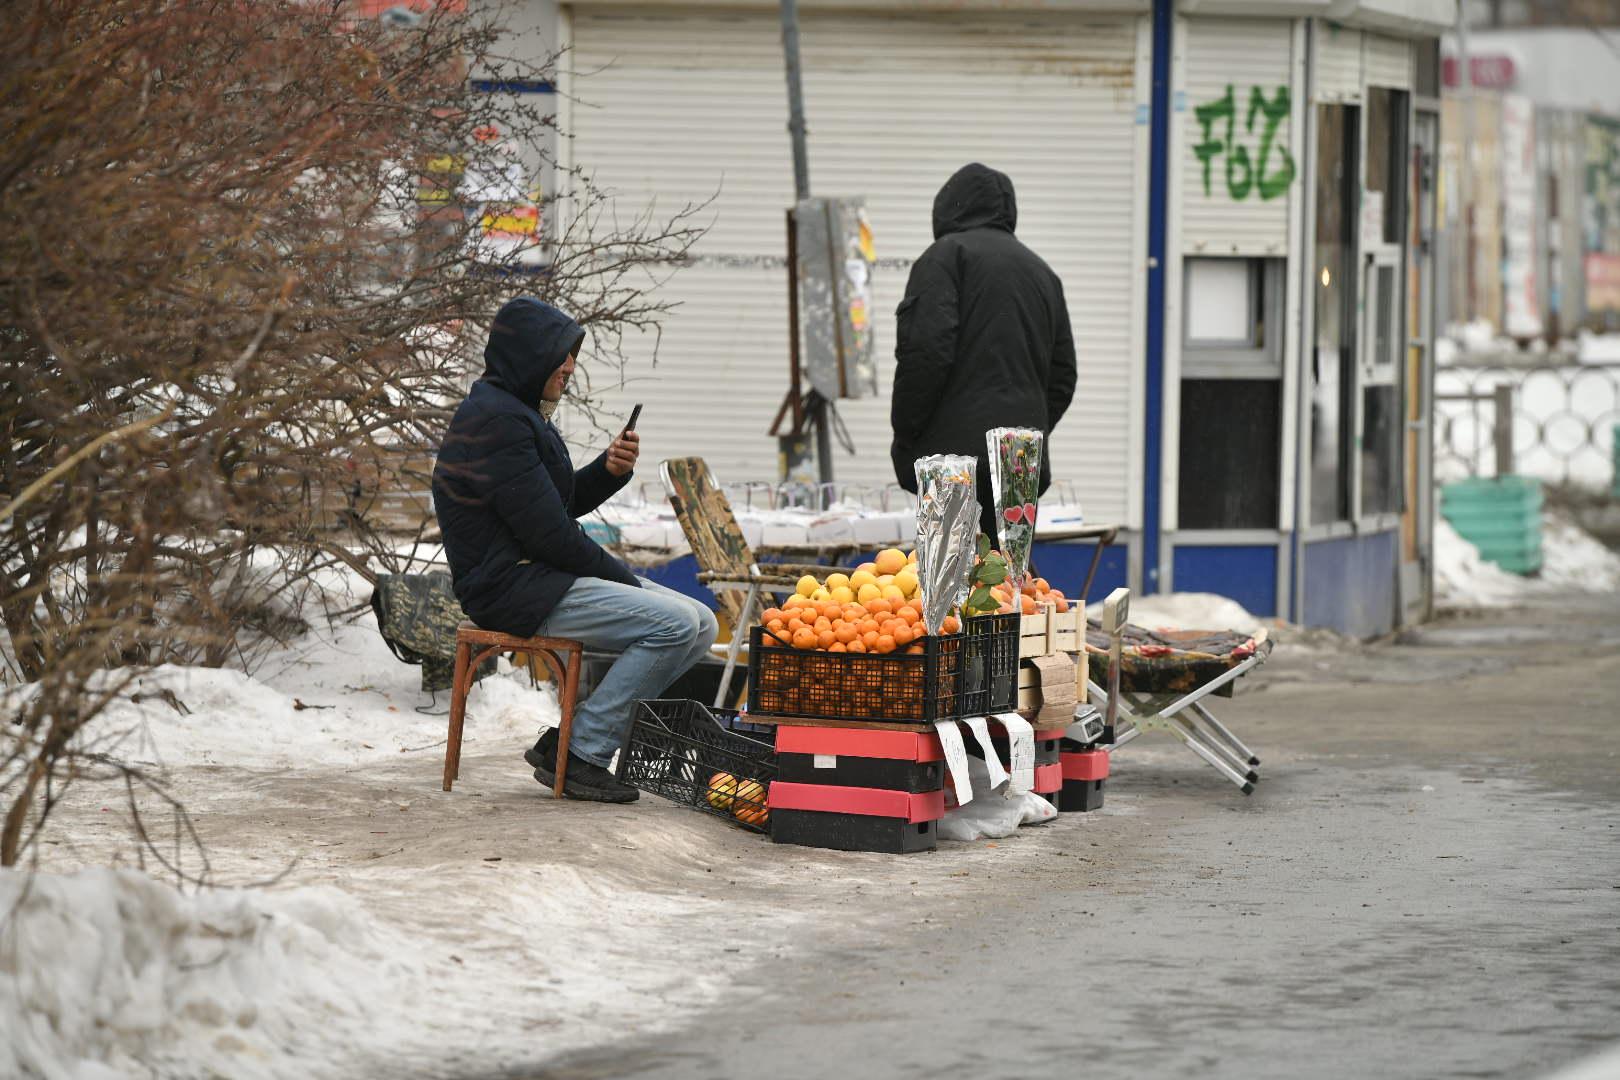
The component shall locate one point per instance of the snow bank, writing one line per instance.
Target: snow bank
(108, 973)
(335, 697)
(1188, 611)
(1570, 560)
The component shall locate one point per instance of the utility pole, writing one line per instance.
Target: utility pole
(818, 410)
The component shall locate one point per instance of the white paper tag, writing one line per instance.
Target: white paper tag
(824, 761)
(1021, 752)
(992, 760)
(950, 738)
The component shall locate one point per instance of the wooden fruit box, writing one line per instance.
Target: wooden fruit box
(1046, 633)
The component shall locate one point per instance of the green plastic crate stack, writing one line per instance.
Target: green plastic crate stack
(1500, 515)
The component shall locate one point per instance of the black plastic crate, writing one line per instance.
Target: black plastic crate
(890, 774)
(676, 748)
(854, 832)
(990, 664)
(871, 687)
(1081, 796)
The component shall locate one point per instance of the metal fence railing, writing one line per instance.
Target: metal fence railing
(1556, 422)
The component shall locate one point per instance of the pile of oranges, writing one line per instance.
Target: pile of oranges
(1034, 594)
(876, 608)
(879, 625)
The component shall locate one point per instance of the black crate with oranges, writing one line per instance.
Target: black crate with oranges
(918, 686)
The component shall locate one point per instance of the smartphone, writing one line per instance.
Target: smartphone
(635, 414)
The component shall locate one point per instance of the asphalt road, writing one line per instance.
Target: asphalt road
(1425, 884)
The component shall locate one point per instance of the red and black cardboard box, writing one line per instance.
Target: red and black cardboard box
(1084, 774)
(857, 790)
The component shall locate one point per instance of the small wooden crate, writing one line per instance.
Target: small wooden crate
(1047, 633)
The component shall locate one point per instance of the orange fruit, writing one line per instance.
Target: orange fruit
(885, 644)
(770, 641)
(776, 626)
(1028, 603)
(1041, 586)
(770, 613)
(1060, 604)
(890, 561)
(870, 639)
(822, 623)
(902, 635)
(846, 633)
(856, 646)
(825, 639)
(915, 650)
(804, 638)
(908, 615)
(952, 624)
(838, 646)
(794, 624)
(831, 610)
(880, 606)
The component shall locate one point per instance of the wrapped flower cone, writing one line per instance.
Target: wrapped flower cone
(947, 524)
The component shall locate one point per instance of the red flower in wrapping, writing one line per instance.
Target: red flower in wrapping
(1029, 512)
(1013, 514)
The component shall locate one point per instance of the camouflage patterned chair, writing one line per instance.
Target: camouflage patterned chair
(726, 564)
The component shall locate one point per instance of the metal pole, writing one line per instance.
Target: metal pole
(790, 53)
(1465, 164)
(801, 190)
(1503, 429)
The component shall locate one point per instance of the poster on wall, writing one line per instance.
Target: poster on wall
(836, 257)
(1600, 217)
(1521, 300)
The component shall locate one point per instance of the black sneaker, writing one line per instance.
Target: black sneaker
(588, 782)
(543, 754)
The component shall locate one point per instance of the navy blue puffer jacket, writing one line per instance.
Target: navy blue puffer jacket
(504, 489)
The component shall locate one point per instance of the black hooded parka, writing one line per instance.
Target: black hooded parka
(504, 489)
(983, 335)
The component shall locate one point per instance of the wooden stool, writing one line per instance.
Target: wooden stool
(473, 647)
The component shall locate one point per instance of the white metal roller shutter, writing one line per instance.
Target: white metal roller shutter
(1237, 57)
(1387, 61)
(676, 104)
(1338, 63)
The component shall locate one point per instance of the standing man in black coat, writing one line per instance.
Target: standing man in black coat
(983, 336)
(507, 498)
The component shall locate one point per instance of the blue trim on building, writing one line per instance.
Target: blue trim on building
(1158, 206)
(1064, 567)
(1245, 572)
(1350, 583)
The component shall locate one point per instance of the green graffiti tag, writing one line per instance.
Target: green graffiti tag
(1242, 174)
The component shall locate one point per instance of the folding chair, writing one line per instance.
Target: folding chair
(726, 564)
(1161, 681)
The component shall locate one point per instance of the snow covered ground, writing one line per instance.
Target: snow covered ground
(391, 933)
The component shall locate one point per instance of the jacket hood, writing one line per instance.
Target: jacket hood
(528, 342)
(975, 197)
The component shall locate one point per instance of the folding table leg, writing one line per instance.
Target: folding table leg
(1220, 764)
(1218, 748)
(1225, 733)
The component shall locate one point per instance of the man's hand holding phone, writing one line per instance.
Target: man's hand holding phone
(625, 448)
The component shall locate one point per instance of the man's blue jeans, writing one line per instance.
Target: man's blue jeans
(658, 633)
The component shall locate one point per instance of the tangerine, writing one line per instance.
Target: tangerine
(890, 561)
(878, 606)
(857, 646)
(804, 638)
(846, 632)
(885, 643)
(902, 635)
(838, 646)
(770, 613)
(952, 624)
(825, 638)
(823, 623)
(870, 639)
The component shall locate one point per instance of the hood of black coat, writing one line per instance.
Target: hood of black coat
(975, 197)
(528, 342)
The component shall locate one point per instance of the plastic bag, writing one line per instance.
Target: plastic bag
(993, 813)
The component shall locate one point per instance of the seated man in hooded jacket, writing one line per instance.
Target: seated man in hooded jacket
(507, 498)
